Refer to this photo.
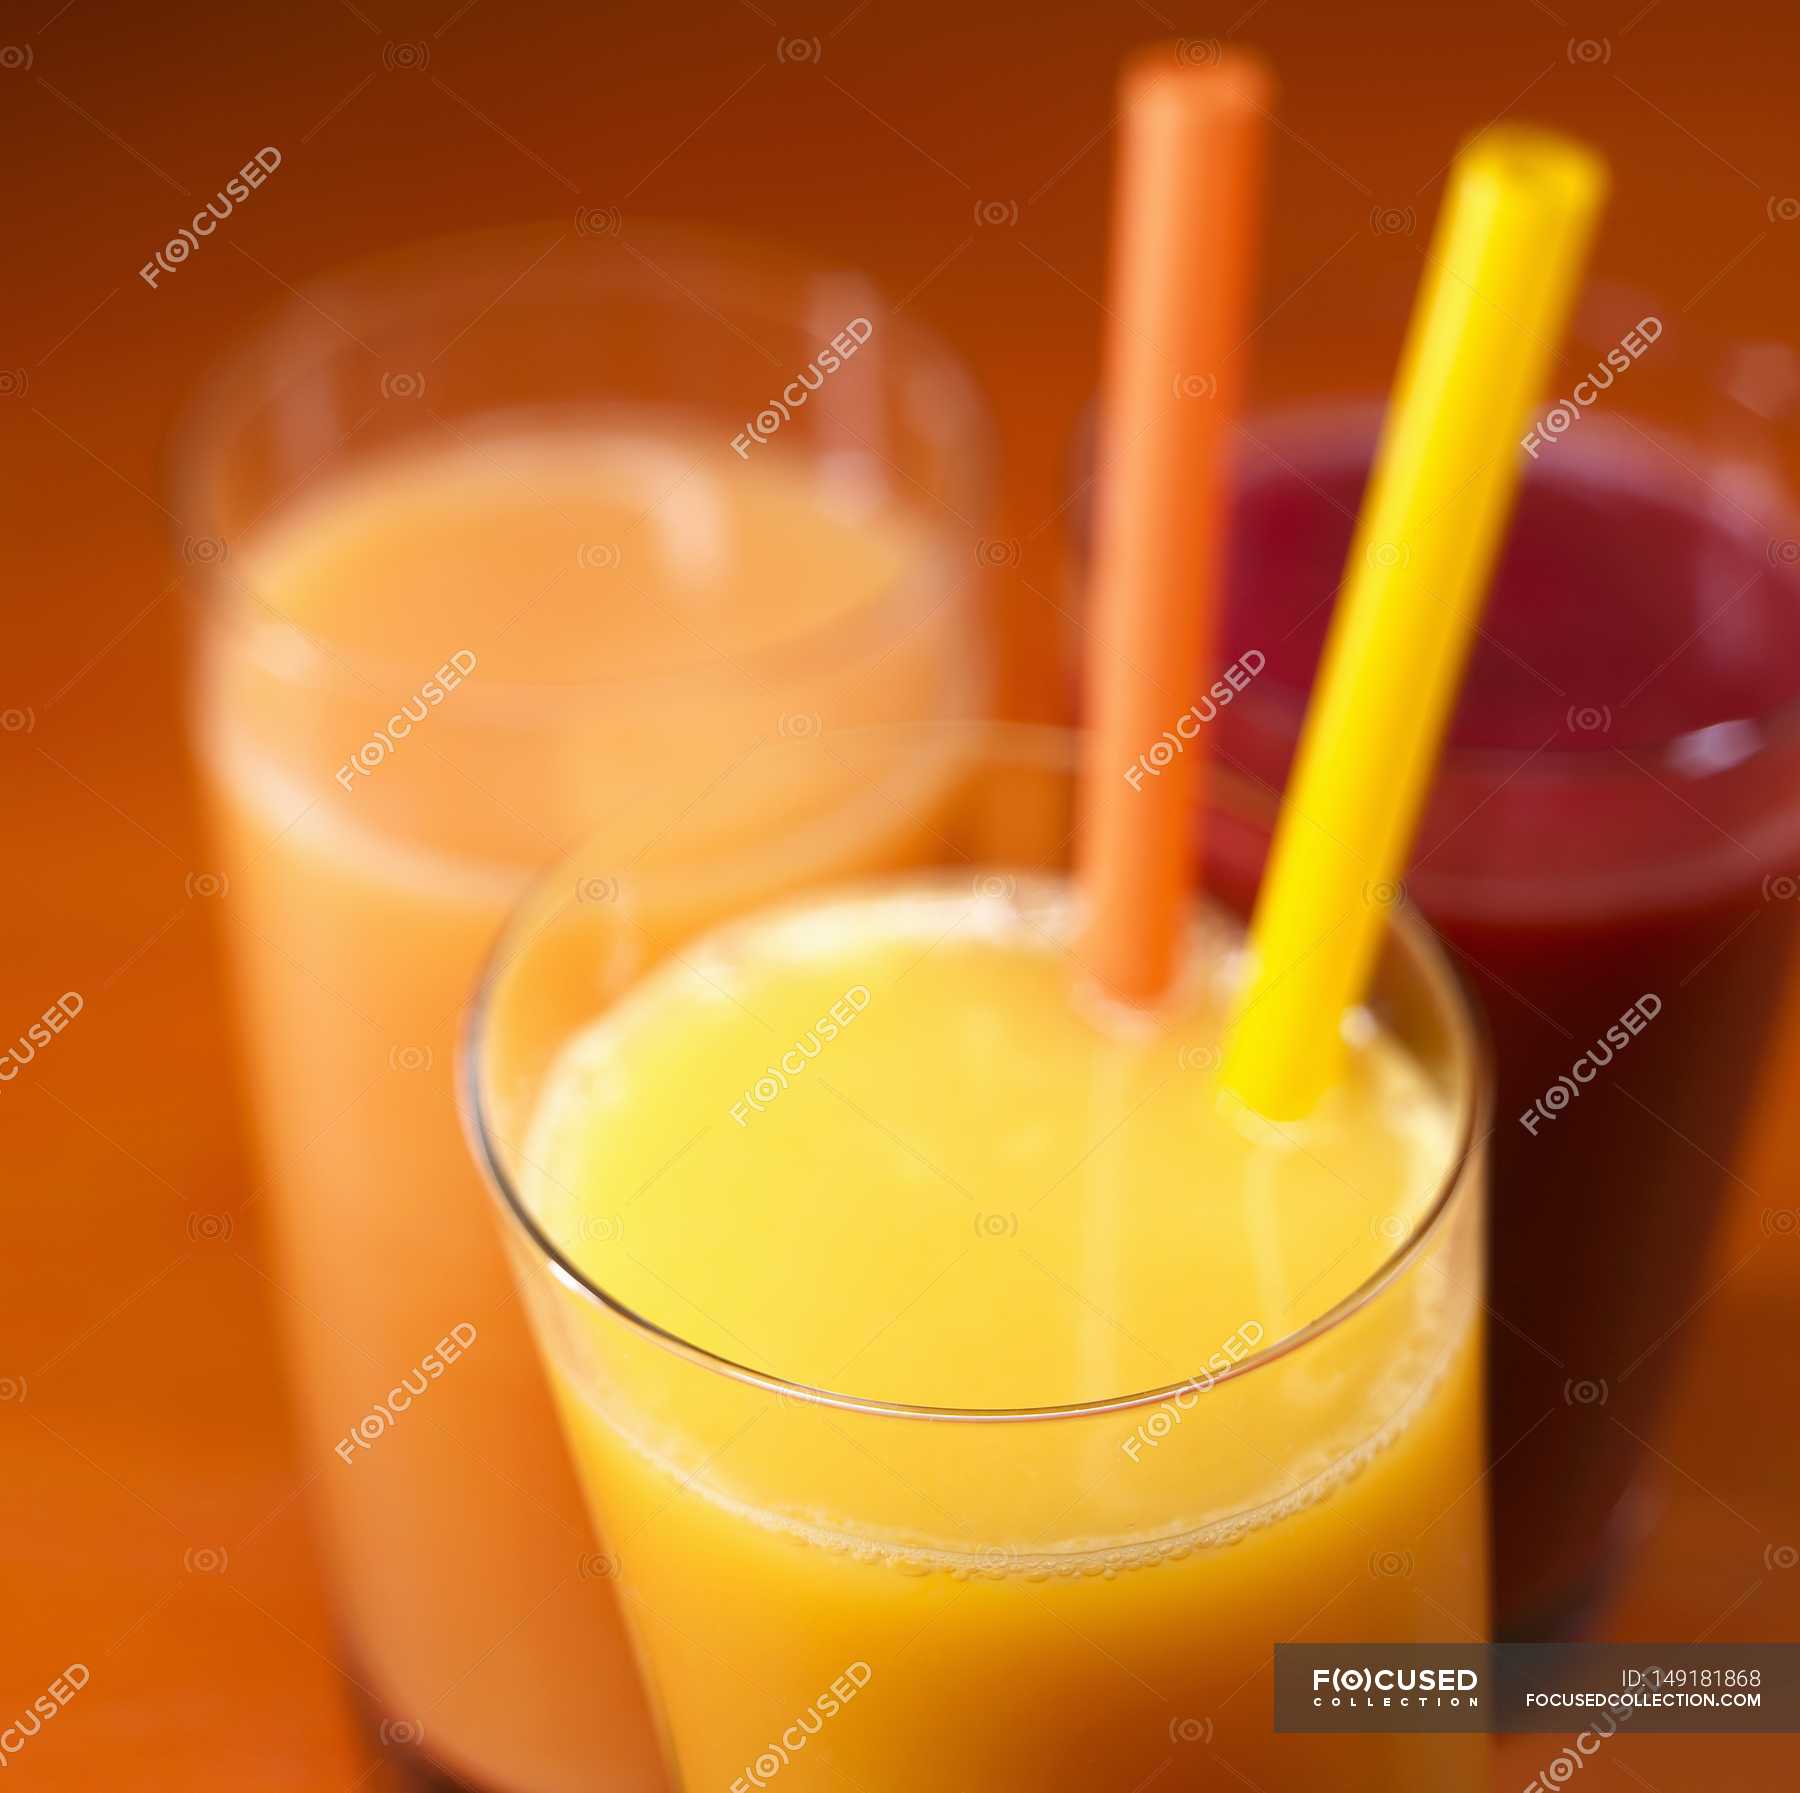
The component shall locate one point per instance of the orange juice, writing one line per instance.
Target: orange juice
(886, 1145)
(420, 681)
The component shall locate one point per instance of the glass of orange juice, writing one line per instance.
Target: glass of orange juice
(971, 1397)
(491, 533)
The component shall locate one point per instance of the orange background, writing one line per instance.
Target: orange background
(151, 1522)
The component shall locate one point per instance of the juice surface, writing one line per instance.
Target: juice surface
(572, 566)
(890, 1145)
(969, 1090)
(570, 554)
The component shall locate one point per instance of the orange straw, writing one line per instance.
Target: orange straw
(1186, 209)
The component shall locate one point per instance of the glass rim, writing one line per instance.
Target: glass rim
(385, 287)
(1282, 708)
(1473, 1098)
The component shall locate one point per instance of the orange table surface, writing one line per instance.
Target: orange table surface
(152, 1518)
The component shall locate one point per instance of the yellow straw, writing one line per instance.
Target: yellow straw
(1509, 246)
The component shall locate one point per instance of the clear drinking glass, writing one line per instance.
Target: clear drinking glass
(847, 1592)
(488, 533)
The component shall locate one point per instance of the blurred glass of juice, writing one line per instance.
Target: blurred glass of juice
(493, 534)
(1610, 849)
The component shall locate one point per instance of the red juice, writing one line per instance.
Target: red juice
(1611, 849)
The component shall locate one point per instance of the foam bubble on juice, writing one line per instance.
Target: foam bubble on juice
(1069, 1557)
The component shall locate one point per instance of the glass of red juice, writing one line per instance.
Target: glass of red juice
(1611, 848)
